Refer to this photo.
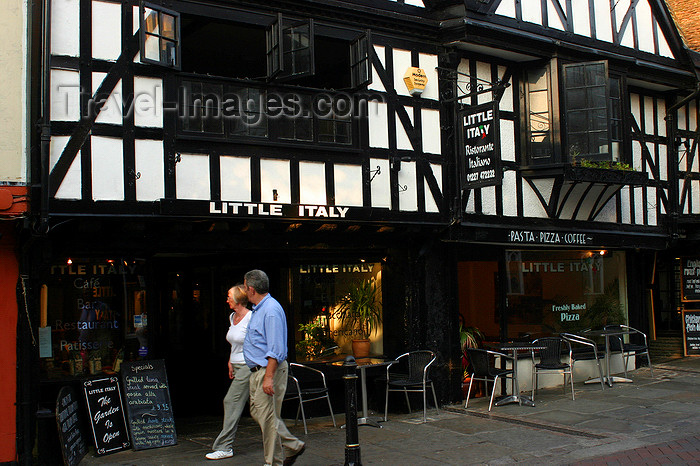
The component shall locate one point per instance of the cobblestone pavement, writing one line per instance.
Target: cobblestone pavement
(654, 420)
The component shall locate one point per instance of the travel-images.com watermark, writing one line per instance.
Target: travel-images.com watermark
(249, 109)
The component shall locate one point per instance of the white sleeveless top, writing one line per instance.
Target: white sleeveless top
(235, 336)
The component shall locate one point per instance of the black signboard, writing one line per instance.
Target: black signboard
(151, 421)
(481, 153)
(691, 332)
(107, 419)
(69, 427)
(690, 278)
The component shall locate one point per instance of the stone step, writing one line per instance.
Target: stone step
(666, 347)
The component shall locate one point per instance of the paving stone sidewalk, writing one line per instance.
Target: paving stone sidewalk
(654, 420)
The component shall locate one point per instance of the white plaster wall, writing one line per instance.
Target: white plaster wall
(625, 211)
(377, 84)
(111, 112)
(312, 183)
(235, 178)
(107, 169)
(408, 199)
(65, 95)
(13, 92)
(663, 163)
(506, 103)
(510, 196)
(430, 204)
(664, 49)
(692, 116)
(680, 118)
(402, 61)
(429, 63)
(553, 17)
(275, 174)
(648, 115)
(603, 20)
(483, 72)
(106, 30)
(148, 102)
(694, 194)
(582, 18)
(65, 27)
(652, 202)
(506, 8)
(381, 193)
(150, 166)
(532, 12)
(488, 200)
(402, 141)
(532, 207)
(71, 186)
(645, 27)
(378, 124)
(348, 184)
(636, 156)
(639, 206)
(192, 177)
(621, 8)
(507, 128)
(430, 130)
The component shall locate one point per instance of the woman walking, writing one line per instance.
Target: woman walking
(239, 373)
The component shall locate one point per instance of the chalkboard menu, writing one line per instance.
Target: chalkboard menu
(107, 419)
(690, 278)
(148, 407)
(691, 332)
(69, 433)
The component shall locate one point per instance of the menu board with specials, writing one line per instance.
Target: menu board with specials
(70, 434)
(148, 407)
(690, 279)
(107, 419)
(691, 332)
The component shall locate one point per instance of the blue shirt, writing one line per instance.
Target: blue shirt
(267, 333)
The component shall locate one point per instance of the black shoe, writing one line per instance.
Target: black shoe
(291, 459)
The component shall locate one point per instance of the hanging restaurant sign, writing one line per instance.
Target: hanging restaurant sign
(481, 152)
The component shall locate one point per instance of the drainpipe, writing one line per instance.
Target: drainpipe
(45, 114)
(684, 101)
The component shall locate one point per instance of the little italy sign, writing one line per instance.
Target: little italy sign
(260, 209)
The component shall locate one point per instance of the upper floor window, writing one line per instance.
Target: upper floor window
(586, 123)
(592, 105)
(216, 109)
(159, 36)
(281, 50)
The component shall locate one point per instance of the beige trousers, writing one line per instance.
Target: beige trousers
(278, 442)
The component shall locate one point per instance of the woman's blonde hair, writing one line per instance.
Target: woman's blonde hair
(239, 295)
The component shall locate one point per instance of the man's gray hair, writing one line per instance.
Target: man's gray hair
(258, 280)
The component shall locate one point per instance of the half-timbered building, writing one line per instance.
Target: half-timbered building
(520, 166)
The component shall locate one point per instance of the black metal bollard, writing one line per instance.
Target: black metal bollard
(352, 441)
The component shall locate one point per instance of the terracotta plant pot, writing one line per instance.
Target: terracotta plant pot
(360, 348)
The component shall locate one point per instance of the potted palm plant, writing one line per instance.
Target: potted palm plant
(360, 312)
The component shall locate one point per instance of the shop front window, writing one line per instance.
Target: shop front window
(551, 292)
(318, 292)
(93, 317)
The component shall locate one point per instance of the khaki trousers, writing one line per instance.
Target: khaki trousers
(278, 442)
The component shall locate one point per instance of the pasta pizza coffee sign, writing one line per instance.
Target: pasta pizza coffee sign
(481, 156)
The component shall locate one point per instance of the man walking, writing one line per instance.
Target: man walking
(265, 352)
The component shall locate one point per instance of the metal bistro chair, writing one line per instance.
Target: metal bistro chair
(585, 349)
(550, 361)
(484, 369)
(306, 384)
(415, 379)
(635, 349)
